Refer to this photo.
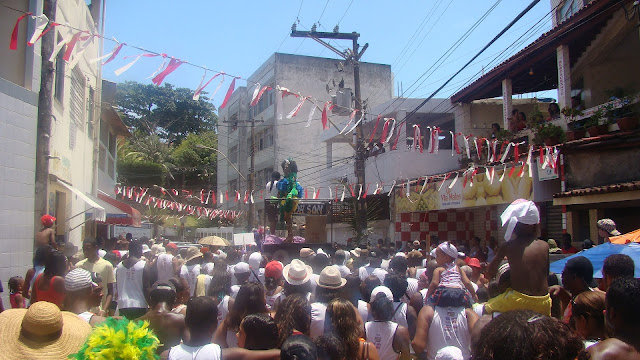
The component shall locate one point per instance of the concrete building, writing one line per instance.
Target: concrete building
(73, 147)
(278, 138)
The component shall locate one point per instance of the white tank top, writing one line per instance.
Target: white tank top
(184, 352)
(129, 284)
(318, 311)
(363, 309)
(450, 277)
(271, 300)
(381, 334)
(232, 339)
(190, 274)
(400, 314)
(164, 264)
(449, 327)
(223, 309)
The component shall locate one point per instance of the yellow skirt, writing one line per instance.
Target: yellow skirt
(514, 300)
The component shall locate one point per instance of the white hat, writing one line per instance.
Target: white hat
(401, 254)
(449, 353)
(433, 253)
(520, 211)
(241, 268)
(145, 248)
(449, 249)
(297, 273)
(381, 289)
(78, 279)
(330, 278)
(254, 260)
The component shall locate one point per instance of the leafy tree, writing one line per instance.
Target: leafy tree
(196, 160)
(165, 111)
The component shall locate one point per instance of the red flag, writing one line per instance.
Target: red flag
(173, 65)
(255, 101)
(373, 133)
(306, 195)
(324, 117)
(229, 92)
(13, 45)
(114, 54)
(72, 44)
(395, 143)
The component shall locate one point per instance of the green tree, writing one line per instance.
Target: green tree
(195, 160)
(165, 111)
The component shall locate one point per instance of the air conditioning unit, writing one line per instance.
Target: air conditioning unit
(342, 101)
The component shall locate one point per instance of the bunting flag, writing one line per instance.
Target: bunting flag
(417, 137)
(88, 40)
(373, 133)
(393, 184)
(162, 65)
(41, 23)
(173, 65)
(260, 93)
(444, 180)
(200, 88)
(366, 190)
(353, 114)
(13, 44)
(504, 155)
(395, 143)
(296, 109)
(311, 112)
(454, 181)
(72, 44)
(126, 67)
(324, 117)
(356, 124)
(112, 55)
(229, 92)
(65, 39)
(466, 144)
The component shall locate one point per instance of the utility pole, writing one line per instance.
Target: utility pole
(353, 56)
(43, 131)
(251, 180)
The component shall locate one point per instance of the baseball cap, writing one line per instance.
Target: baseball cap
(78, 279)
(609, 226)
(474, 262)
(273, 269)
(47, 220)
(171, 246)
(241, 268)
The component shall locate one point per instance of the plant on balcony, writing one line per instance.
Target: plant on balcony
(504, 135)
(549, 134)
(536, 118)
(594, 124)
(626, 116)
(576, 129)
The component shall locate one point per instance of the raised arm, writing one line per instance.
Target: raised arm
(435, 281)
(419, 342)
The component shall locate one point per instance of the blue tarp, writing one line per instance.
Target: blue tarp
(597, 254)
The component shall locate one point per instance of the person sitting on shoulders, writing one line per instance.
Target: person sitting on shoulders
(447, 287)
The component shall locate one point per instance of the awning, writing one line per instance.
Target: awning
(100, 213)
(119, 213)
(599, 194)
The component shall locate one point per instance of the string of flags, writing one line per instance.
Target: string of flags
(548, 158)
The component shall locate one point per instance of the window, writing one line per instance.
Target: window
(268, 137)
(112, 144)
(76, 105)
(265, 101)
(90, 110)
(233, 154)
(568, 8)
(59, 84)
(233, 120)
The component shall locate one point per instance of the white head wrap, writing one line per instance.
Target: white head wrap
(449, 249)
(521, 210)
(449, 353)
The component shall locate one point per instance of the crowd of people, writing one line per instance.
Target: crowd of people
(144, 299)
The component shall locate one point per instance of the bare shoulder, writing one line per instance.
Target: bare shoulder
(612, 349)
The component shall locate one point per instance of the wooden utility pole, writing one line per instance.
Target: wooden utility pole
(45, 100)
(353, 56)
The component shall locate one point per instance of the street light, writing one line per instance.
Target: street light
(224, 156)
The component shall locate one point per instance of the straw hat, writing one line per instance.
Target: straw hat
(330, 278)
(192, 253)
(306, 252)
(41, 332)
(297, 273)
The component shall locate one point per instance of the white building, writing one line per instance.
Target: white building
(277, 140)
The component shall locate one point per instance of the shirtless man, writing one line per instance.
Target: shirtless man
(528, 260)
(622, 317)
(46, 235)
(168, 326)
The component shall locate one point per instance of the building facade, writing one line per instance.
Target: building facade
(277, 137)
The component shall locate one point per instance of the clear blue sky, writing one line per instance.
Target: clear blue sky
(238, 36)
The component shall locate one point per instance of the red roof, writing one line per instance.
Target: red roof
(606, 189)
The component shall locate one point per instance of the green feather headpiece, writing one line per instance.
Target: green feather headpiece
(120, 339)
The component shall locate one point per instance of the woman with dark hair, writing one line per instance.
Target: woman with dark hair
(258, 332)
(525, 334)
(390, 339)
(272, 283)
(293, 317)
(220, 291)
(366, 287)
(49, 286)
(587, 317)
(343, 321)
(39, 261)
(250, 300)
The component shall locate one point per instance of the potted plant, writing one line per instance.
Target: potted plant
(576, 129)
(594, 126)
(626, 115)
(550, 134)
